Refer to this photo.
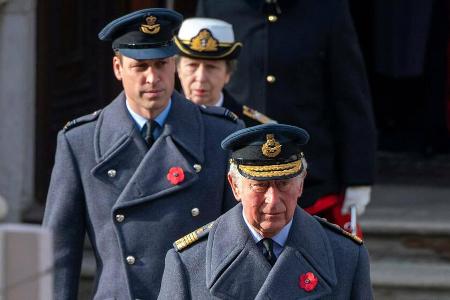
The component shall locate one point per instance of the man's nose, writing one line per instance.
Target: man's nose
(272, 195)
(152, 76)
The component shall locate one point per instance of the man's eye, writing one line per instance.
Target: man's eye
(259, 187)
(161, 63)
(139, 67)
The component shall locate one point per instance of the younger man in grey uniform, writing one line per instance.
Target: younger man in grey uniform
(267, 247)
(145, 170)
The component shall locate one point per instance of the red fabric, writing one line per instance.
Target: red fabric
(329, 207)
(308, 281)
(175, 175)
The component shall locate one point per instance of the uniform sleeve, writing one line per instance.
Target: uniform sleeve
(65, 217)
(354, 120)
(362, 286)
(173, 284)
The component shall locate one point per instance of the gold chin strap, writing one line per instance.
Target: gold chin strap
(272, 170)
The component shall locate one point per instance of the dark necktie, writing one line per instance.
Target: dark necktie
(148, 130)
(268, 250)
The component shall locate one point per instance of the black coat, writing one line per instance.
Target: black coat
(320, 83)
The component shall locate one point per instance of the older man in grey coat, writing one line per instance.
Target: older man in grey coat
(267, 247)
(145, 170)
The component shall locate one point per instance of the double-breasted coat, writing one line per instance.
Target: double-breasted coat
(106, 183)
(229, 265)
(303, 67)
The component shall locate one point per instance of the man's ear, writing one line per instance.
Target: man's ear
(302, 181)
(117, 67)
(234, 188)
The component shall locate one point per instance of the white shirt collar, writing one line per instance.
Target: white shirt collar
(220, 101)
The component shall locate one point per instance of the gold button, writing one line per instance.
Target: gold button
(197, 168)
(195, 212)
(120, 218)
(272, 18)
(112, 173)
(271, 79)
(131, 260)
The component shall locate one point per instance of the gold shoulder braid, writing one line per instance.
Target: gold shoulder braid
(192, 237)
(256, 115)
(340, 230)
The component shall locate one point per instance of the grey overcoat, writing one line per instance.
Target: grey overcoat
(229, 265)
(106, 184)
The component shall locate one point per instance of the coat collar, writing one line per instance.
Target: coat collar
(141, 173)
(232, 253)
(185, 125)
(115, 127)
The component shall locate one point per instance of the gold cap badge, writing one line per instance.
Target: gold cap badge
(204, 41)
(271, 147)
(151, 27)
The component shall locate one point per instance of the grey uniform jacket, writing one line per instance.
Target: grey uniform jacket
(229, 265)
(106, 183)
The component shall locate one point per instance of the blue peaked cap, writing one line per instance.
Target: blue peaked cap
(144, 34)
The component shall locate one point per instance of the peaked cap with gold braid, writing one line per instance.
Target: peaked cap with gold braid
(268, 151)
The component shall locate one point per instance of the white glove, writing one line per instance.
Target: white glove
(359, 196)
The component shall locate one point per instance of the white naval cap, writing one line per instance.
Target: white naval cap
(207, 38)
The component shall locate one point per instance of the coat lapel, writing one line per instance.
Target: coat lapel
(141, 173)
(235, 267)
(306, 250)
(118, 145)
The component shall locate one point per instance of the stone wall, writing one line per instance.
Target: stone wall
(17, 104)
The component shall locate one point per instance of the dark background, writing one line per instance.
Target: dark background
(75, 74)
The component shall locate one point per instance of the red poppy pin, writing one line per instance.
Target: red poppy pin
(175, 175)
(308, 281)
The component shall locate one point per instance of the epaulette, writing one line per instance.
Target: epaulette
(256, 115)
(82, 120)
(339, 229)
(192, 237)
(219, 111)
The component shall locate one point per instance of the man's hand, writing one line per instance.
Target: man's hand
(359, 196)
